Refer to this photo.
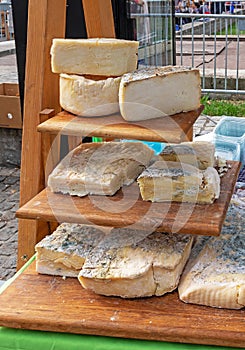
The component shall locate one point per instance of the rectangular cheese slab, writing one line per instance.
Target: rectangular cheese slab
(199, 153)
(165, 181)
(103, 56)
(100, 168)
(64, 251)
(136, 263)
(215, 274)
(158, 92)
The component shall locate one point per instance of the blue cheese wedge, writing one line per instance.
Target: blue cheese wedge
(64, 251)
(215, 273)
(165, 181)
(100, 168)
(89, 97)
(96, 56)
(151, 266)
(157, 92)
(199, 153)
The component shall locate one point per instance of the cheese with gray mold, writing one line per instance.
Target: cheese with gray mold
(149, 267)
(215, 273)
(165, 181)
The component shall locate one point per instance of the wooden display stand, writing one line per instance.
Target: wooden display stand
(50, 303)
(44, 123)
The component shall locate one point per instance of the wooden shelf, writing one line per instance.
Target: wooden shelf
(172, 129)
(126, 208)
(49, 303)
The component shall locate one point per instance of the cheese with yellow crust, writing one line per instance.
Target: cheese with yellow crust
(96, 56)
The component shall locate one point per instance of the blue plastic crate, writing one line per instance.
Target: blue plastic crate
(231, 130)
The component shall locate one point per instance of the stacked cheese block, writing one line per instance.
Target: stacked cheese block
(99, 77)
(138, 263)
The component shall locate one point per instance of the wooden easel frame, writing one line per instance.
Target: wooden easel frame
(46, 20)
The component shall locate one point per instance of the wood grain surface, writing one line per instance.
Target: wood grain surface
(126, 208)
(167, 129)
(49, 303)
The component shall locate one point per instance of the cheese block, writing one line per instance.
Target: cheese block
(199, 153)
(215, 273)
(178, 182)
(64, 251)
(157, 92)
(151, 266)
(88, 97)
(96, 56)
(100, 168)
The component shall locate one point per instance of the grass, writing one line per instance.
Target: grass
(223, 107)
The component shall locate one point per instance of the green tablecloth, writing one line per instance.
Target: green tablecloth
(18, 339)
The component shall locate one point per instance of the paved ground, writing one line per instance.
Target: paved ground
(9, 179)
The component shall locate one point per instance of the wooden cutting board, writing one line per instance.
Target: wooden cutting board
(49, 303)
(126, 208)
(167, 129)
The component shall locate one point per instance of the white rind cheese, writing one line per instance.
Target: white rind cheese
(100, 168)
(88, 97)
(157, 92)
(96, 56)
(64, 251)
(199, 153)
(149, 267)
(165, 181)
(215, 273)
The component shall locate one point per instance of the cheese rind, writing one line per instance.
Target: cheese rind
(100, 168)
(149, 267)
(87, 97)
(64, 251)
(96, 56)
(198, 153)
(157, 92)
(178, 182)
(215, 273)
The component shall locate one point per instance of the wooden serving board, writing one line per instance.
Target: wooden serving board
(47, 303)
(126, 208)
(173, 129)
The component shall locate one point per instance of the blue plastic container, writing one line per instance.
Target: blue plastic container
(231, 130)
(227, 150)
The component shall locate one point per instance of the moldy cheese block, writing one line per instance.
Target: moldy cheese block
(64, 251)
(103, 56)
(178, 182)
(151, 266)
(199, 153)
(88, 97)
(215, 273)
(100, 168)
(157, 92)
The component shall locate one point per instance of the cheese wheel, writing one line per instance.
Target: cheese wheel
(88, 97)
(96, 56)
(157, 92)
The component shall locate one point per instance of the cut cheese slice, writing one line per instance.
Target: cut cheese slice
(215, 273)
(149, 267)
(103, 56)
(64, 251)
(199, 154)
(157, 92)
(178, 182)
(100, 168)
(87, 97)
